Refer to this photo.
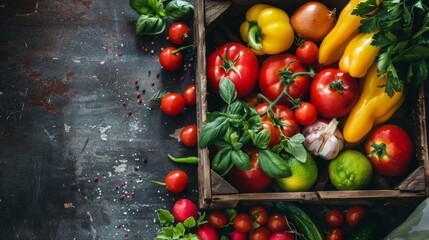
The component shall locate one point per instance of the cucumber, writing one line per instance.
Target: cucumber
(301, 220)
(367, 229)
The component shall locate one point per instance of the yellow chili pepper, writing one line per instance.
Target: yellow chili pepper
(347, 27)
(359, 55)
(267, 30)
(373, 108)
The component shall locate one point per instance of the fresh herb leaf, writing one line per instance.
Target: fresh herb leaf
(213, 131)
(150, 25)
(146, 7)
(240, 159)
(262, 139)
(178, 9)
(227, 90)
(272, 164)
(189, 222)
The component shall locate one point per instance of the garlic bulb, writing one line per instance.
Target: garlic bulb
(323, 140)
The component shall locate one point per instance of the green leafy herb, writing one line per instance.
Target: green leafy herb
(403, 40)
(237, 125)
(153, 14)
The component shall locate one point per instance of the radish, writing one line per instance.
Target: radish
(207, 232)
(183, 209)
(237, 235)
(281, 236)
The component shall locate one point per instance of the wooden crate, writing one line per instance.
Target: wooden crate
(215, 192)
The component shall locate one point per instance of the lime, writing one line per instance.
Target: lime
(350, 170)
(304, 175)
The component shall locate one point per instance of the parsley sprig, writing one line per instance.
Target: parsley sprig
(403, 39)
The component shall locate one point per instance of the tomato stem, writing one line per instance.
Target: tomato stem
(153, 181)
(182, 48)
(379, 150)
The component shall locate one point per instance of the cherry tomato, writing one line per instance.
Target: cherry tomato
(260, 233)
(188, 135)
(206, 232)
(170, 58)
(306, 114)
(176, 181)
(259, 214)
(272, 77)
(237, 235)
(277, 222)
(333, 93)
(285, 116)
(355, 215)
(390, 150)
(183, 209)
(334, 218)
(172, 104)
(217, 219)
(335, 234)
(281, 236)
(253, 180)
(190, 95)
(236, 62)
(308, 52)
(179, 33)
(242, 222)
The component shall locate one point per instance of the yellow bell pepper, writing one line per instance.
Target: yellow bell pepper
(359, 55)
(267, 30)
(373, 108)
(347, 27)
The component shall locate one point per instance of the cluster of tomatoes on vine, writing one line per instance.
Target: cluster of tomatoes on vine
(339, 223)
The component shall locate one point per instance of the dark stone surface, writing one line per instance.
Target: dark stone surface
(66, 70)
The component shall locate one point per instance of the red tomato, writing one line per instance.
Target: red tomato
(390, 150)
(260, 233)
(237, 235)
(253, 180)
(259, 214)
(335, 234)
(190, 95)
(334, 218)
(170, 58)
(306, 114)
(282, 236)
(308, 52)
(333, 93)
(236, 62)
(217, 219)
(176, 181)
(272, 77)
(179, 33)
(189, 136)
(285, 115)
(355, 215)
(242, 222)
(206, 232)
(183, 209)
(277, 222)
(172, 104)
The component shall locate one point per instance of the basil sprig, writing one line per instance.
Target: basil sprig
(238, 125)
(153, 14)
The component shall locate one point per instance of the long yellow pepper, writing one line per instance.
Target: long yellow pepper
(359, 55)
(347, 27)
(373, 108)
(267, 29)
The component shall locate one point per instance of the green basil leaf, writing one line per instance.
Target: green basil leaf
(148, 7)
(165, 218)
(255, 123)
(211, 116)
(272, 164)
(213, 131)
(218, 158)
(297, 138)
(150, 25)
(224, 164)
(262, 139)
(236, 108)
(240, 159)
(179, 9)
(297, 150)
(227, 90)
